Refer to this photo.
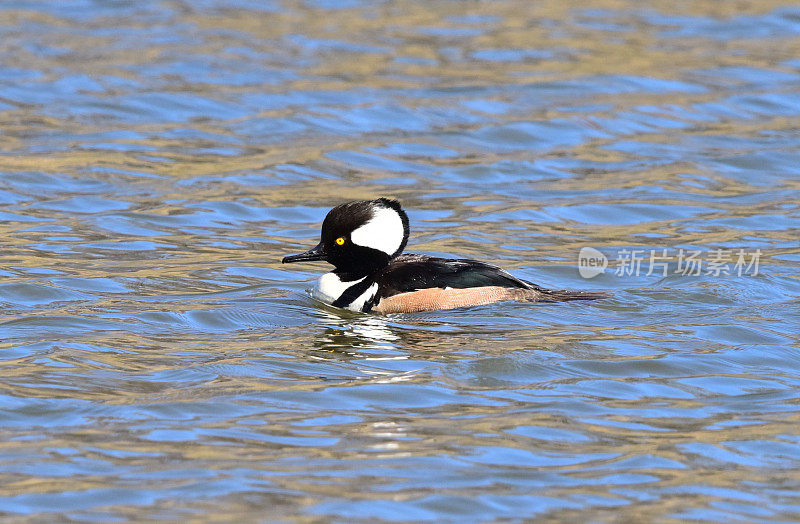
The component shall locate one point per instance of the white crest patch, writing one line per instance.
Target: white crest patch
(384, 231)
(329, 288)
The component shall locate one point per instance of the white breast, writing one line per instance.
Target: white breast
(329, 288)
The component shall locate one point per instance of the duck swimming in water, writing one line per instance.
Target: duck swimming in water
(364, 241)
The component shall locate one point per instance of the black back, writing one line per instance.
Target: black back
(412, 272)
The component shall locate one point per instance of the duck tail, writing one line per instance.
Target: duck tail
(541, 294)
(565, 295)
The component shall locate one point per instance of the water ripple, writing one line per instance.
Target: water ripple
(159, 159)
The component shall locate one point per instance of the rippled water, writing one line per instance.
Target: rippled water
(160, 157)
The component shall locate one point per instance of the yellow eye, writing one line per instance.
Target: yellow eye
(340, 241)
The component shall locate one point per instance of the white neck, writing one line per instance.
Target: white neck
(330, 287)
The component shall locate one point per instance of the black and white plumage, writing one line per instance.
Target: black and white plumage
(364, 241)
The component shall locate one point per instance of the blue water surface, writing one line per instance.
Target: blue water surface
(160, 158)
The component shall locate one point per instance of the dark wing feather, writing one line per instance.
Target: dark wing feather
(412, 272)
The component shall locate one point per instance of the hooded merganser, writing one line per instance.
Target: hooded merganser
(364, 240)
